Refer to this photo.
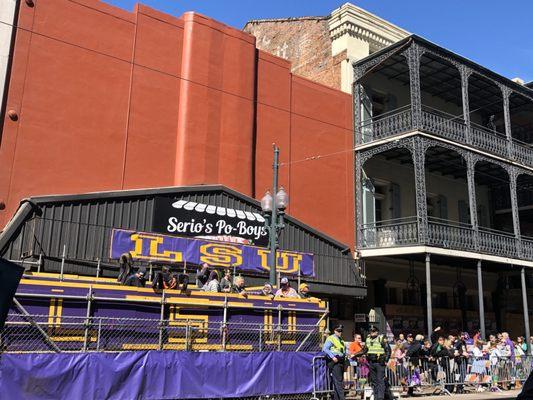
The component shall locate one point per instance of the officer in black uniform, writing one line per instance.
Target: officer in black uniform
(335, 350)
(377, 352)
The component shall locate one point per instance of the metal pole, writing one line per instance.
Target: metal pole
(161, 320)
(98, 268)
(279, 327)
(261, 337)
(87, 318)
(187, 335)
(99, 334)
(526, 309)
(224, 323)
(63, 261)
(480, 298)
(274, 219)
(299, 278)
(428, 295)
(40, 262)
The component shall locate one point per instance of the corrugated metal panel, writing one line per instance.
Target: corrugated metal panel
(82, 227)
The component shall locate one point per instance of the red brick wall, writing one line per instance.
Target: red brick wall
(111, 100)
(305, 43)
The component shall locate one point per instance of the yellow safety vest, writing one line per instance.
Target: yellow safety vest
(337, 345)
(375, 345)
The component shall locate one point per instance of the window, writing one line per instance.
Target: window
(464, 212)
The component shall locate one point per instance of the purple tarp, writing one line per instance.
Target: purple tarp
(154, 375)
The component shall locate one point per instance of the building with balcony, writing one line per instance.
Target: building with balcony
(444, 194)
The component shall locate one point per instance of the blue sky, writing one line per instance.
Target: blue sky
(497, 34)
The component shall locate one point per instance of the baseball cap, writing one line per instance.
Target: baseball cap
(284, 281)
(339, 328)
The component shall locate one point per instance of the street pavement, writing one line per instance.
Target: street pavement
(507, 394)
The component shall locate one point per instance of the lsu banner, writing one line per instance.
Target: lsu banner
(156, 247)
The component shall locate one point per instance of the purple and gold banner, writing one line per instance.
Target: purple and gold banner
(156, 247)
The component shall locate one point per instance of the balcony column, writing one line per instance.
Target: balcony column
(358, 200)
(526, 309)
(413, 55)
(480, 299)
(506, 93)
(465, 74)
(418, 150)
(471, 181)
(429, 310)
(513, 176)
(356, 92)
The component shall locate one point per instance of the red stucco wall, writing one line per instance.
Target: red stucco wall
(109, 100)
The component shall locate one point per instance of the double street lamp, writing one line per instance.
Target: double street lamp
(274, 210)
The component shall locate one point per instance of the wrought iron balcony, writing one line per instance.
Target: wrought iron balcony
(445, 234)
(447, 126)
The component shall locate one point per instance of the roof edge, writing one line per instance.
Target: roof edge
(437, 48)
(39, 200)
(287, 19)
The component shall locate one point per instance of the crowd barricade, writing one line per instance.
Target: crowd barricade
(445, 374)
(321, 378)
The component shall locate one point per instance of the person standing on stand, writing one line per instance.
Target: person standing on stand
(334, 348)
(377, 353)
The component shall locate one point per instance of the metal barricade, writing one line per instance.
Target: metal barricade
(321, 379)
(445, 375)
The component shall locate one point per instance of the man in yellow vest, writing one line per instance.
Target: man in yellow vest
(335, 353)
(377, 353)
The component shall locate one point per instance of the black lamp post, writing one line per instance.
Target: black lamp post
(274, 209)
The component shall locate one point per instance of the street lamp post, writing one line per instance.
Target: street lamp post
(274, 210)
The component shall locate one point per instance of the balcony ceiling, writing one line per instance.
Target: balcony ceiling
(457, 262)
(441, 79)
(449, 163)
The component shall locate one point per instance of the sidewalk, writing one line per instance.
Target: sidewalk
(508, 394)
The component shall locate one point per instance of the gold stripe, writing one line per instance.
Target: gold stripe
(59, 312)
(194, 292)
(71, 338)
(51, 312)
(150, 346)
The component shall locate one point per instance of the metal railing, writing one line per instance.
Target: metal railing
(448, 126)
(387, 124)
(445, 374)
(21, 334)
(446, 234)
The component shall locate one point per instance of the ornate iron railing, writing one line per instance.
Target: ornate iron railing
(387, 124)
(443, 124)
(451, 235)
(448, 126)
(446, 234)
(498, 243)
(391, 233)
(484, 139)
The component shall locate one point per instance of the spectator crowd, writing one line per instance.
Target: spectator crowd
(207, 279)
(453, 358)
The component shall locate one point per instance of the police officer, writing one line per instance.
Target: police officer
(335, 353)
(377, 353)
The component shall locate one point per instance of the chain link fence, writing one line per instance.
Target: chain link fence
(44, 333)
